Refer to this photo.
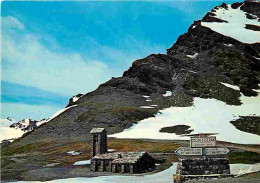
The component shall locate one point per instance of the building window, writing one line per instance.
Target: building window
(107, 163)
(98, 163)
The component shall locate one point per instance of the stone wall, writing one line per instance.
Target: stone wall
(203, 166)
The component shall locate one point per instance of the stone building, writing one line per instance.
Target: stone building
(117, 162)
(99, 141)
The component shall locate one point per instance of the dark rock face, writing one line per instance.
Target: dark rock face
(178, 129)
(250, 124)
(236, 5)
(193, 67)
(251, 7)
(210, 18)
(252, 27)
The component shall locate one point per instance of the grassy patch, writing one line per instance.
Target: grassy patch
(34, 147)
(92, 114)
(142, 145)
(245, 157)
(55, 152)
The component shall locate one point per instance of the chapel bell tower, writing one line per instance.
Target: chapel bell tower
(99, 141)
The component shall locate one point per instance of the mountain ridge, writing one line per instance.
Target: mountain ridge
(193, 67)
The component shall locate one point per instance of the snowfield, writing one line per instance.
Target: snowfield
(235, 27)
(165, 176)
(206, 115)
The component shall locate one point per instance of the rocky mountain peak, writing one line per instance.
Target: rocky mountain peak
(194, 66)
(27, 125)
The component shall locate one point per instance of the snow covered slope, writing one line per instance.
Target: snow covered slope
(206, 115)
(235, 24)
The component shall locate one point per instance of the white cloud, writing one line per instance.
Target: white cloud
(26, 61)
(11, 22)
(9, 133)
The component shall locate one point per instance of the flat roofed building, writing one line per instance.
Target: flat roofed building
(117, 162)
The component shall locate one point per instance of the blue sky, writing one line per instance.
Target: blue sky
(54, 50)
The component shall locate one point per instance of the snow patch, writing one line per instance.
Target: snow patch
(147, 107)
(193, 71)
(193, 56)
(256, 58)
(235, 27)
(167, 94)
(74, 99)
(146, 96)
(73, 153)
(111, 150)
(231, 86)
(51, 165)
(84, 162)
(228, 45)
(148, 100)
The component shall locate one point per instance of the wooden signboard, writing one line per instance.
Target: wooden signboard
(216, 151)
(203, 141)
(187, 151)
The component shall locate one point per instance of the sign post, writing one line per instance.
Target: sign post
(187, 151)
(202, 153)
(216, 151)
(203, 141)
